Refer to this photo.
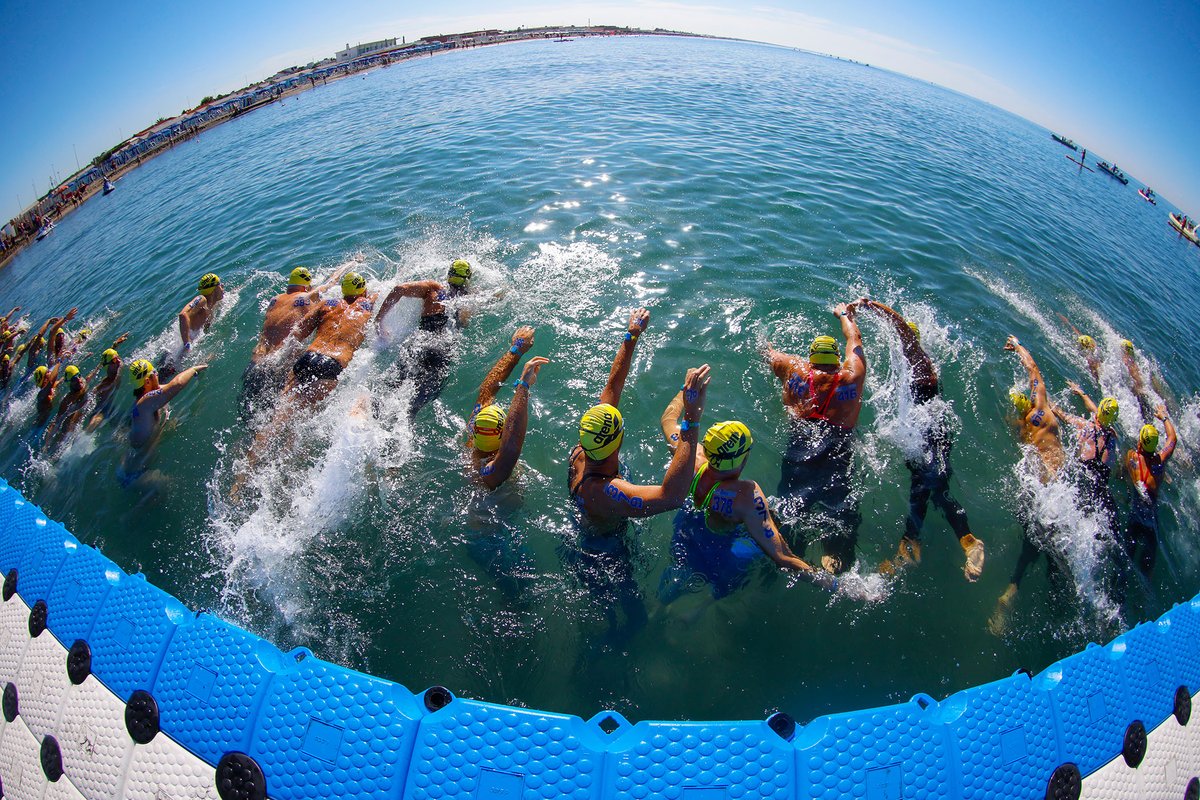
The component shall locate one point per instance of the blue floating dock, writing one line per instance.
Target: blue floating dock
(115, 689)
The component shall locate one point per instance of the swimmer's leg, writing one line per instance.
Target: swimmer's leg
(1001, 618)
(432, 373)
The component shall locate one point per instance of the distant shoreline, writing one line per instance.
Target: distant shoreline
(128, 155)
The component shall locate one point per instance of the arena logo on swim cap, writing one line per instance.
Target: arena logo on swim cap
(727, 444)
(459, 274)
(353, 284)
(600, 431)
(209, 283)
(1148, 439)
(300, 277)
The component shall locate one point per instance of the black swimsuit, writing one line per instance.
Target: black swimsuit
(314, 366)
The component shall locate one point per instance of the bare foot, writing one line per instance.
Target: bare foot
(974, 549)
(999, 621)
(909, 552)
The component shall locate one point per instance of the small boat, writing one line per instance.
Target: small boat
(1111, 169)
(1188, 231)
(1148, 195)
(44, 231)
(108, 186)
(1064, 140)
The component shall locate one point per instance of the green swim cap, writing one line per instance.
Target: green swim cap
(824, 350)
(208, 283)
(1106, 412)
(300, 277)
(1148, 439)
(727, 445)
(487, 427)
(460, 273)
(353, 285)
(1021, 402)
(601, 431)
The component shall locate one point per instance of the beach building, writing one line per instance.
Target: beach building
(360, 50)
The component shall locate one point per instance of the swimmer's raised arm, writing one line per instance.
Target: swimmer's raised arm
(513, 437)
(1037, 387)
(522, 340)
(171, 388)
(856, 358)
(1082, 395)
(669, 421)
(1067, 416)
(334, 280)
(1169, 427)
(611, 394)
(419, 289)
(620, 498)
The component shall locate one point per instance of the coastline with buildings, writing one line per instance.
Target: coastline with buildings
(22, 230)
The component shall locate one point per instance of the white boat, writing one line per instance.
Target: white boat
(44, 231)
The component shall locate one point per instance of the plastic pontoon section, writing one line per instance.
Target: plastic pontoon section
(114, 689)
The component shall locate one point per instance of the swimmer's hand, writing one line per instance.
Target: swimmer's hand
(863, 302)
(1160, 413)
(638, 320)
(1074, 387)
(1012, 343)
(196, 370)
(71, 314)
(844, 310)
(120, 339)
(522, 338)
(823, 580)
(530, 373)
(695, 390)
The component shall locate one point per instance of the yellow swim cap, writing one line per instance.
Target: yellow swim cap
(139, 371)
(108, 357)
(824, 350)
(83, 335)
(300, 277)
(39, 376)
(8, 334)
(353, 285)
(209, 282)
(1087, 343)
(460, 273)
(1148, 439)
(1106, 412)
(1021, 402)
(71, 371)
(727, 444)
(912, 326)
(601, 431)
(488, 425)
(1128, 345)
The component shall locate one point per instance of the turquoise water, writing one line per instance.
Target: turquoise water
(737, 191)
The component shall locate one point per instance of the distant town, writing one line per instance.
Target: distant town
(38, 219)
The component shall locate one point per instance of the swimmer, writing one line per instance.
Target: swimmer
(496, 438)
(150, 399)
(1087, 346)
(110, 361)
(1136, 381)
(1037, 426)
(198, 314)
(285, 312)
(1145, 466)
(63, 346)
(594, 481)
(46, 380)
(7, 332)
(426, 359)
(338, 328)
(70, 409)
(729, 522)
(930, 474)
(823, 398)
(6, 369)
(33, 347)
(1098, 453)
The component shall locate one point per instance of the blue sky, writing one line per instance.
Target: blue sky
(1119, 77)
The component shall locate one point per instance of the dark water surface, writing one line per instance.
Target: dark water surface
(738, 191)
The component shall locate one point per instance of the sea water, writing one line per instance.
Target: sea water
(737, 191)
